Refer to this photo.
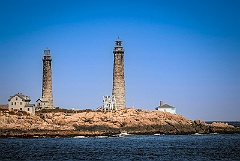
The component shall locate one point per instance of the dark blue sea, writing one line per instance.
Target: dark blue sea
(141, 147)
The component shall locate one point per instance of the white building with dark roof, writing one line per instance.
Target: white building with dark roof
(41, 104)
(20, 102)
(166, 108)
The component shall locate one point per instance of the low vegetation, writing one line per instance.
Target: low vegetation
(56, 110)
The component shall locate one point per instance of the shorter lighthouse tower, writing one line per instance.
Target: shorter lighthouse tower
(118, 90)
(47, 95)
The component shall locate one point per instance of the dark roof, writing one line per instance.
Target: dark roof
(41, 100)
(165, 106)
(22, 96)
(118, 39)
(29, 105)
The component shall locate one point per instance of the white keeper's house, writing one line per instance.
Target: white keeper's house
(20, 102)
(166, 108)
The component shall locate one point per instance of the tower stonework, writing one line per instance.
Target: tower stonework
(118, 90)
(47, 95)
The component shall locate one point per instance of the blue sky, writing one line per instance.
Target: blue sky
(185, 53)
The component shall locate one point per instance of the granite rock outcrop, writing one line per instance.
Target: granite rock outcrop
(92, 123)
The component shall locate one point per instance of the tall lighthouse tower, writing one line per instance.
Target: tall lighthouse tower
(118, 90)
(47, 95)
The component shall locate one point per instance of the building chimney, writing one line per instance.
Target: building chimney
(161, 103)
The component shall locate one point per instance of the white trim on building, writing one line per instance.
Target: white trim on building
(109, 103)
(20, 102)
(166, 108)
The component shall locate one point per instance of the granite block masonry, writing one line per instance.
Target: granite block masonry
(47, 94)
(118, 90)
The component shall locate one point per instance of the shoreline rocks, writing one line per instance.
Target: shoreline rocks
(94, 123)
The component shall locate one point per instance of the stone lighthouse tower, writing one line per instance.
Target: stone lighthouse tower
(118, 90)
(47, 95)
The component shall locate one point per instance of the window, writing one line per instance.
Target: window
(20, 103)
(15, 103)
(20, 109)
(12, 103)
(28, 109)
(16, 98)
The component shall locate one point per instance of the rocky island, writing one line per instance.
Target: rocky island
(68, 123)
(19, 119)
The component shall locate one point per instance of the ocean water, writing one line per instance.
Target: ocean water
(141, 147)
